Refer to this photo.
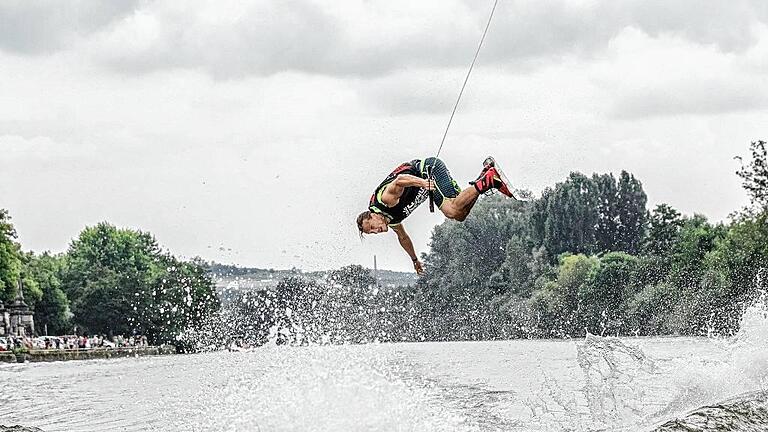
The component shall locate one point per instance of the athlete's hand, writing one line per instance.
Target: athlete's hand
(418, 267)
(428, 184)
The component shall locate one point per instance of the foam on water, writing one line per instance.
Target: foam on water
(331, 389)
(623, 382)
(614, 372)
(749, 348)
(743, 366)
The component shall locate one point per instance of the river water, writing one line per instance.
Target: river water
(592, 384)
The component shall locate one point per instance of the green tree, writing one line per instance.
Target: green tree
(590, 215)
(571, 216)
(697, 238)
(736, 272)
(663, 232)
(109, 277)
(558, 304)
(464, 256)
(120, 281)
(604, 297)
(355, 277)
(631, 214)
(182, 299)
(52, 308)
(608, 218)
(755, 175)
(10, 258)
(690, 278)
(521, 268)
(650, 311)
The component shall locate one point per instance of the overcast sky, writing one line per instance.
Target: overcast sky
(255, 133)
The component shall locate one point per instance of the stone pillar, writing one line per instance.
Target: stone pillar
(3, 320)
(21, 320)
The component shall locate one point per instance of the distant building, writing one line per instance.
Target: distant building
(17, 318)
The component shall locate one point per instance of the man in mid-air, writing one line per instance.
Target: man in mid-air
(410, 184)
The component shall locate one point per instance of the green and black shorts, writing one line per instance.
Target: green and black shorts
(445, 185)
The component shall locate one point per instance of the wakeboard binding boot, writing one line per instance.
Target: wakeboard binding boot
(492, 178)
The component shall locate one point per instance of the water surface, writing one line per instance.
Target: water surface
(593, 384)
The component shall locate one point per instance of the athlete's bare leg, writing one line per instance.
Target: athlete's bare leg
(458, 208)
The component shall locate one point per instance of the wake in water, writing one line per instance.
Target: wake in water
(600, 384)
(621, 379)
(746, 413)
(745, 371)
(613, 374)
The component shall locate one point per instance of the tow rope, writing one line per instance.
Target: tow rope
(456, 105)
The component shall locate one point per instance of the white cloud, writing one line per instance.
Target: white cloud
(262, 129)
(234, 39)
(45, 26)
(356, 37)
(672, 76)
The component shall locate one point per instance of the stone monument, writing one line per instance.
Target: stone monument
(4, 320)
(21, 322)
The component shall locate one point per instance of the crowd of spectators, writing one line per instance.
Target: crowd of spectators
(71, 342)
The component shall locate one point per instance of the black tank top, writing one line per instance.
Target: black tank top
(411, 198)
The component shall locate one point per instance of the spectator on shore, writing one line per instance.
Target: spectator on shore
(72, 342)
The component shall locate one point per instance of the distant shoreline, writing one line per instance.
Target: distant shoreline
(36, 356)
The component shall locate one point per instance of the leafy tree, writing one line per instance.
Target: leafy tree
(737, 270)
(631, 214)
(465, 255)
(608, 218)
(109, 277)
(558, 304)
(591, 215)
(538, 218)
(755, 175)
(10, 258)
(521, 268)
(688, 273)
(119, 281)
(356, 277)
(52, 308)
(604, 297)
(182, 298)
(664, 225)
(650, 310)
(571, 216)
(697, 238)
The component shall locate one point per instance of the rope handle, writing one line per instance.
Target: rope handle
(431, 191)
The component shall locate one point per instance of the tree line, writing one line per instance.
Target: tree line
(111, 281)
(586, 257)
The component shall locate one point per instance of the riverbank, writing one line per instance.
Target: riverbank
(88, 354)
(18, 428)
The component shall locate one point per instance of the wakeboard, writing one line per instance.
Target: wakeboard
(517, 194)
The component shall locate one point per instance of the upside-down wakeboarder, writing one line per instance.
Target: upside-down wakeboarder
(410, 184)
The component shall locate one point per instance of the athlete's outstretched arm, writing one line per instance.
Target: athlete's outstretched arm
(407, 244)
(393, 191)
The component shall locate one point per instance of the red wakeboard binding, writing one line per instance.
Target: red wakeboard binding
(492, 177)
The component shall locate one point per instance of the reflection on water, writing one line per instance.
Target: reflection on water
(586, 385)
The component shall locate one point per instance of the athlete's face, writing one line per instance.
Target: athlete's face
(375, 224)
